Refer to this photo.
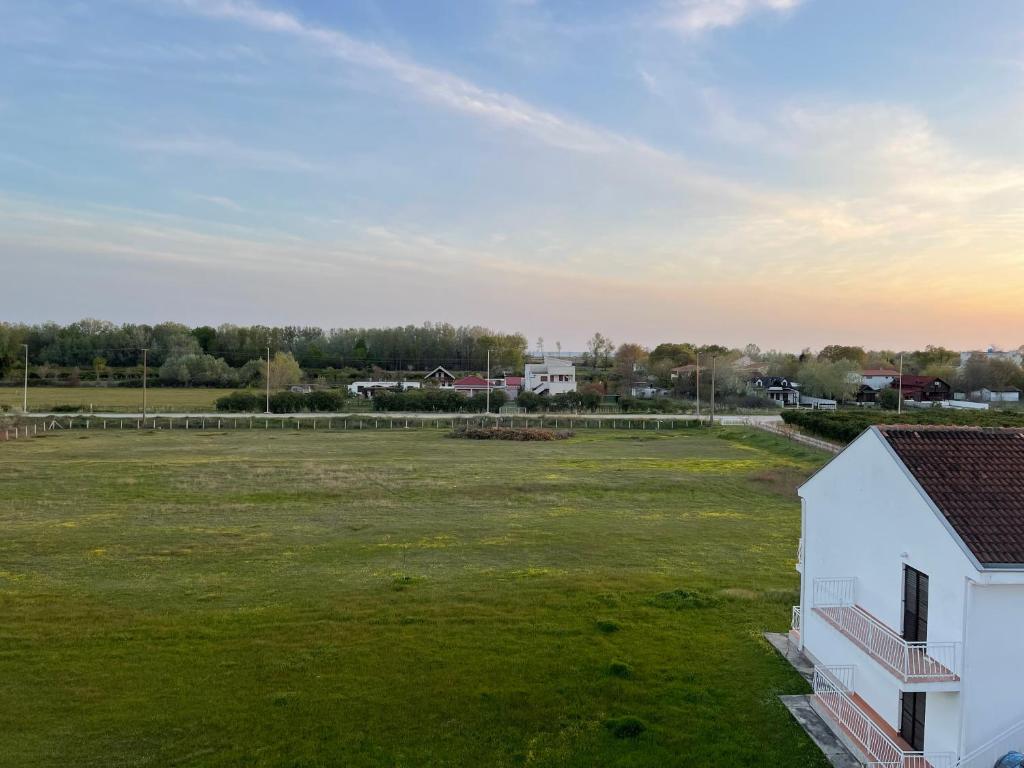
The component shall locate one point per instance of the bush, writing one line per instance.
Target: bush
(844, 426)
(240, 402)
(680, 599)
(522, 434)
(626, 727)
(620, 669)
(328, 401)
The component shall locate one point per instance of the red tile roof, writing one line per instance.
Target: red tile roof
(975, 477)
(470, 381)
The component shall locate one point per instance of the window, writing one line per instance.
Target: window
(912, 706)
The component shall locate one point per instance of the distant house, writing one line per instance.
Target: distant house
(512, 386)
(778, 388)
(746, 365)
(471, 385)
(683, 371)
(923, 388)
(440, 376)
(645, 391)
(878, 378)
(871, 381)
(367, 388)
(817, 403)
(997, 395)
(552, 377)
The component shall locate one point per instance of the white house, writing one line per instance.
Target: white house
(778, 388)
(552, 377)
(912, 594)
(877, 378)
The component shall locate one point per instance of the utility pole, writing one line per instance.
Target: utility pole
(899, 400)
(145, 375)
(488, 377)
(698, 388)
(268, 379)
(714, 359)
(24, 400)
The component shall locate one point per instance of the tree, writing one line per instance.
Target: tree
(99, 365)
(284, 371)
(822, 378)
(629, 360)
(889, 398)
(675, 354)
(600, 347)
(835, 352)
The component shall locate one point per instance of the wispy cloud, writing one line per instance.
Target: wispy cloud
(219, 201)
(692, 17)
(226, 151)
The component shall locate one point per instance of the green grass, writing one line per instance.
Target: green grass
(129, 399)
(398, 599)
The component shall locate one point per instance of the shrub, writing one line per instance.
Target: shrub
(620, 669)
(626, 727)
(65, 408)
(844, 426)
(240, 402)
(522, 434)
(606, 626)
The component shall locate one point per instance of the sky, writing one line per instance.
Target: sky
(789, 173)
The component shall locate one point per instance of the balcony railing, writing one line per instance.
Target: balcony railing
(796, 622)
(833, 688)
(913, 662)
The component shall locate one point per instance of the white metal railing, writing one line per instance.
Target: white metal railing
(796, 623)
(939, 661)
(833, 688)
(995, 748)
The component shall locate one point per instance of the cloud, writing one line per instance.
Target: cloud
(692, 17)
(226, 151)
(219, 201)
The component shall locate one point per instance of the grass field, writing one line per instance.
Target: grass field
(129, 399)
(114, 398)
(397, 599)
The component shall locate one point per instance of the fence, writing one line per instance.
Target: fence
(795, 436)
(35, 425)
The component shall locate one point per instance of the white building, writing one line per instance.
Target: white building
(997, 395)
(912, 594)
(877, 378)
(552, 377)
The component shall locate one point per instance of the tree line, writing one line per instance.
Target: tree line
(230, 355)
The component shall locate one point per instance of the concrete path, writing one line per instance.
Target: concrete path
(803, 710)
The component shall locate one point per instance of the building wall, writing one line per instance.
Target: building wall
(994, 662)
(863, 517)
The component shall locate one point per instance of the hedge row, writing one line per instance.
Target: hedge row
(844, 426)
(324, 401)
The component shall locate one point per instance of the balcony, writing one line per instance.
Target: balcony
(860, 724)
(926, 665)
(796, 623)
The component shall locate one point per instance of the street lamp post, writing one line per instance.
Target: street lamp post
(145, 375)
(268, 379)
(24, 399)
(488, 382)
(714, 359)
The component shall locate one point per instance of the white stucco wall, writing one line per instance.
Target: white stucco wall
(864, 517)
(994, 662)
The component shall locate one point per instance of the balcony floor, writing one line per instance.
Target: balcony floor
(937, 674)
